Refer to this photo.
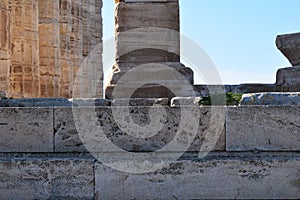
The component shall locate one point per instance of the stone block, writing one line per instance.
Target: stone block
(252, 128)
(66, 138)
(123, 126)
(157, 23)
(90, 102)
(271, 98)
(223, 178)
(167, 73)
(289, 45)
(141, 102)
(46, 179)
(288, 76)
(26, 130)
(40, 102)
(185, 101)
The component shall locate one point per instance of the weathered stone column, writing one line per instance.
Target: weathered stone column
(289, 45)
(86, 35)
(65, 59)
(148, 32)
(4, 45)
(43, 44)
(24, 72)
(49, 44)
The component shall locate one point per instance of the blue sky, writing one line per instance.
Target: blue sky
(238, 35)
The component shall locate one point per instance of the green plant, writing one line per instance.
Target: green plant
(231, 99)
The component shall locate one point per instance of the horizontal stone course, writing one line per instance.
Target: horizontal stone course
(46, 179)
(274, 128)
(67, 138)
(248, 128)
(26, 130)
(223, 178)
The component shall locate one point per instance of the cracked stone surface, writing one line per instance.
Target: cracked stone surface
(26, 130)
(273, 128)
(221, 178)
(47, 179)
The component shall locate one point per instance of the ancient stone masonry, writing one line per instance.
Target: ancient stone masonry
(147, 32)
(43, 45)
(289, 45)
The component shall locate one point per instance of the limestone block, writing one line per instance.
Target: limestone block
(141, 102)
(274, 99)
(274, 128)
(66, 138)
(46, 179)
(26, 130)
(289, 45)
(90, 102)
(149, 90)
(165, 38)
(40, 102)
(185, 101)
(288, 76)
(165, 74)
(233, 178)
(211, 124)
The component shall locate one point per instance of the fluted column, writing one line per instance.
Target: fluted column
(66, 64)
(5, 27)
(24, 72)
(49, 44)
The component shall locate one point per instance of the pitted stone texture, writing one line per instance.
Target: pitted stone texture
(274, 128)
(26, 130)
(211, 124)
(51, 179)
(66, 138)
(288, 76)
(208, 179)
(289, 45)
(278, 99)
(141, 102)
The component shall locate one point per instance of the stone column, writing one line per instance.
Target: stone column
(86, 35)
(65, 59)
(4, 45)
(289, 45)
(24, 72)
(137, 24)
(49, 44)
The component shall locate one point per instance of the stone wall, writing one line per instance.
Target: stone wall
(44, 43)
(256, 156)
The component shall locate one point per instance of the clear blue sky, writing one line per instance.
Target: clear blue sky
(238, 35)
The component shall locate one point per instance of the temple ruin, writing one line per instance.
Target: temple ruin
(61, 139)
(43, 44)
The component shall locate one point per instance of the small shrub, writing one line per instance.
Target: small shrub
(232, 99)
